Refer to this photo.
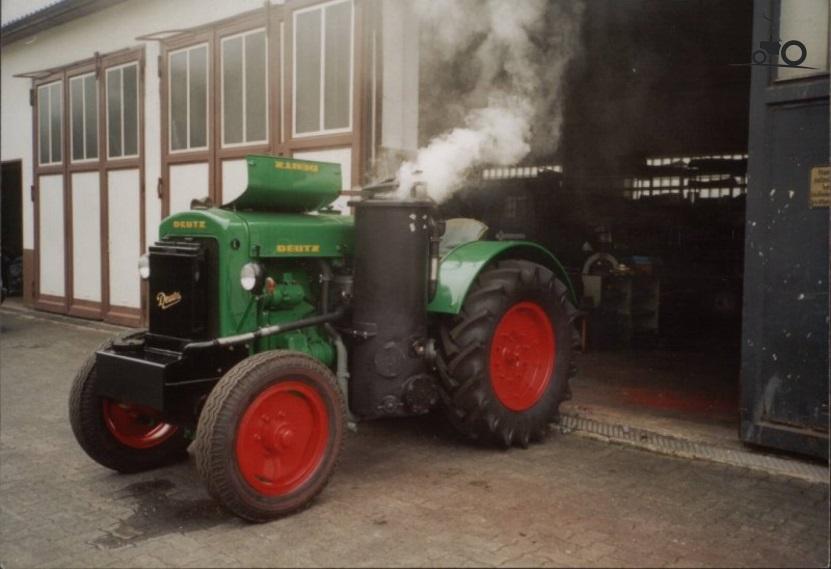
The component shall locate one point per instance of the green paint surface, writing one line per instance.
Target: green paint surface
(287, 244)
(460, 267)
(243, 237)
(283, 184)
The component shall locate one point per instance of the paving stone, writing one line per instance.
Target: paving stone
(408, 493)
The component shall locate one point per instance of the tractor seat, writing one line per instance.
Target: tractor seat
(460, 230)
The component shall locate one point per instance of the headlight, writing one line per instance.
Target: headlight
(144, 267)
(252, 276)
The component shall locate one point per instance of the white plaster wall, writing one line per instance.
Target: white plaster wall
(51, 236)
(86, 236)
(399, 130)
(342, 156)
(116, 28)
(234, 179)
(125, 240)
(187, 182)
(14, 9)
(105, 31)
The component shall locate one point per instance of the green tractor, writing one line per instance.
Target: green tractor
(275, 323)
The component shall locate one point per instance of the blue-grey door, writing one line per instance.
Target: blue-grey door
(785, 373)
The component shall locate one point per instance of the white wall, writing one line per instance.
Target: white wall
(14, 9)
(124, 196)
(105, 31)
(117, 27)
(342, 156)
(86, 236)
(399, 130)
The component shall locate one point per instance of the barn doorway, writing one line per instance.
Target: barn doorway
(644, 203)
(11, 228)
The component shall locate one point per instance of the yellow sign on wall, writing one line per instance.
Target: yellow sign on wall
(821, 186)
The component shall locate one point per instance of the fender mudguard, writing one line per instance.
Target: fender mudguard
(460, 267)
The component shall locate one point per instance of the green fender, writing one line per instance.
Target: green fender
(459, 268)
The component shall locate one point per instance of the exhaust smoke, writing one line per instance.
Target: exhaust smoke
(512, 57)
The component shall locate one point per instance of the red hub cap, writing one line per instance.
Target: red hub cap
(282, 438)
(523, 351)
(136, 426)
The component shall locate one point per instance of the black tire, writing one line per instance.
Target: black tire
(468, 393)
(803, 53)
(760, 56)
(225, 422)
(87, 418)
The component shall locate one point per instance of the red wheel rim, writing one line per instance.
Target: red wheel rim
(282, 438)
(136, 426)
(523, 351)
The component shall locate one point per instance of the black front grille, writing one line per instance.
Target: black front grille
(183, 276)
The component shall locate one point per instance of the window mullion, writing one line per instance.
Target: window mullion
(187, 97)
(244, 117)
(49, 121)
(123, 111)
(83, 118)
(123, 105)
(321, 118)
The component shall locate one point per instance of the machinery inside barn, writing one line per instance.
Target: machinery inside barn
(646, 202)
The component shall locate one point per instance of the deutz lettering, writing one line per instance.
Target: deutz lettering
(283, 165)
(183, 224)
(298, 248)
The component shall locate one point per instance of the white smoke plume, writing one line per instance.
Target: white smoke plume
(518, 51)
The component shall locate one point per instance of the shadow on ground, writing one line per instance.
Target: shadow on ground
(157, 512)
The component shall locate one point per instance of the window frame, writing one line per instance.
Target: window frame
(364, 116)
(774, 72)
(221, 72)
(82, 75)
(106, 72)
(206, 43)
(47, 86)
(102, 166)
(322, 131)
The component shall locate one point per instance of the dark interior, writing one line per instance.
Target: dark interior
(11, 228)
(650, 174)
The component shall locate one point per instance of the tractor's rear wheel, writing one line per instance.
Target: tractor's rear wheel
(270, 434)
(119, 435)
(505, 360)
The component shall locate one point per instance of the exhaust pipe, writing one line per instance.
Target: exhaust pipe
(393, 245)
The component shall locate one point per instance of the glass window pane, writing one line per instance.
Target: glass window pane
(338, 65)
(178, 101)
(76, 103)
(114, 112)
(256, 114)
(198, 97)
(130, 110)
(91, 119)
(43, 124)
(307, 72)
(805, 22)
(56, 116)
(232, 89)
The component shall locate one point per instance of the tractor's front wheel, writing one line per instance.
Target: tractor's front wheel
(506, 359)
(119, 435)
(270, 434)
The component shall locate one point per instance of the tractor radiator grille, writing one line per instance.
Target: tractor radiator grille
(182, 295)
